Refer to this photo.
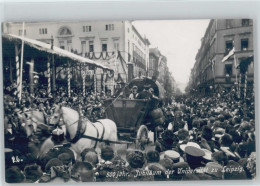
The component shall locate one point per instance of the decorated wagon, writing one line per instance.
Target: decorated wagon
(136, 117)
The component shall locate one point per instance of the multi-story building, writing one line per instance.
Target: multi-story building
(212, 69)
(95, 40)
(158, 68)
(154, 56)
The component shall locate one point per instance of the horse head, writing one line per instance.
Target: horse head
(27, 125)
(65, 116)
(56, 117)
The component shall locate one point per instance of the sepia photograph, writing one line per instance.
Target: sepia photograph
(132, 100)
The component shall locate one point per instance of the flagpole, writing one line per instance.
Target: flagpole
(21, 69)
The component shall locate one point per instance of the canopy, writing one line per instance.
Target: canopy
(58, 51)
(140, 82)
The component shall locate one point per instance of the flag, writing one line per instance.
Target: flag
(230, 53)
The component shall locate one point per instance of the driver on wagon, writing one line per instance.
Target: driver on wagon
(134, 93)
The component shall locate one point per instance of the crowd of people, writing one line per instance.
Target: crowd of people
(203, 138)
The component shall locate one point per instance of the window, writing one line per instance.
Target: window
(21, 32)
(110, 27)
(245, 22)
(86, 28)
(43, 31)
(229, 46)
(228, 23)
(244, 44)
(83, 47)
(62, 46)
(228, 69)
(91, 46)
(104, 47)
(116, 45)
(69, 43)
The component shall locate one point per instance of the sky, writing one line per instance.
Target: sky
(178, 40)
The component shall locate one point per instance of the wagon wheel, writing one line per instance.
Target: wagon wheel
(142, 137)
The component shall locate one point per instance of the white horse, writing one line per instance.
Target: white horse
(77, 128)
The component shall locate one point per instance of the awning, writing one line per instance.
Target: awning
(58, 51)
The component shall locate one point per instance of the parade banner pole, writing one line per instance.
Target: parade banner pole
(49, 77)
(68, 77)
(95, 81)
(235, 61)
(17, 65)
(53, 69)
(84, 81)
(21, 69)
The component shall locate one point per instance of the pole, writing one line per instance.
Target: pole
(31, 69)
(53, 69)
(68, 77)
(84, 81)
(95, 81)
(17, 65)
(49, 77)
(21, 69)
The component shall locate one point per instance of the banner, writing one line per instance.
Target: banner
(231, 52)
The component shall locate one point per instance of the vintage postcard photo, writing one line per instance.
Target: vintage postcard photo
(109, 101)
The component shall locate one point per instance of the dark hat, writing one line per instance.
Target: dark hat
(51, 163)
(54, 153)
(183, 134)
(14, 175)
(65, 158)
(107, 153)
(32, 172)
(220, 157)
(153, 156)
(193, 151)
(226, 140)
(207, 132)
(135, 158)
(58, 135)
(146, 86)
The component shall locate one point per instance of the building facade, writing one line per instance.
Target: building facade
(94, 40)
(212, 69)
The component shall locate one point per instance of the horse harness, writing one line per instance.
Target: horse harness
(81, 130)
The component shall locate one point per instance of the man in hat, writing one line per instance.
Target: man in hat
(134, 93)
(193, 156)
(179, 123)
(145, 94)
